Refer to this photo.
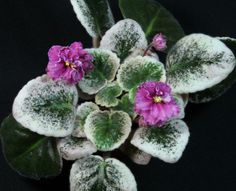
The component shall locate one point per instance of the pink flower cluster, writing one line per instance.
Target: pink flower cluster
(155, 104)
(69, 63)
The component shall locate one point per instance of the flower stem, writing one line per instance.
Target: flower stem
(147, 49)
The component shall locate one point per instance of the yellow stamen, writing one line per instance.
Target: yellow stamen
(157, 99)
(68, 64)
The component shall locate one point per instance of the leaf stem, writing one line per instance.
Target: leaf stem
(96, 42)
(106, 155)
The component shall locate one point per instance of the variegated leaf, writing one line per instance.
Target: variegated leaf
(107, 130)
(72, 148)
(198, 62)
(95, 173)
(46, 107)
(123, 38)
(166, 143)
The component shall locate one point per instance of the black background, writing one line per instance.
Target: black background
(28, 28)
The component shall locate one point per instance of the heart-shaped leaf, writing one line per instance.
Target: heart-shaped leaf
(107, 130)
(106, 65)
(94, 15)
(124, 38)
(72, 148)
(219, 89)
(153, 18)
(166, 143)
(83, 111)
(30, 154)
(126, 105)
(198, 62)
(46, 107)
(136, 70)
(107, 96)
(93, 173)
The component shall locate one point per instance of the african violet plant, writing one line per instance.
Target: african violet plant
(116, 95)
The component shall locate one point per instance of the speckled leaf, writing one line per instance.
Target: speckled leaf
(107, 96)
(219, 89)
(153, 18)
(72, 148)
(106, 65)
(198, 62)
(107, 130)
(83, 111)
(124, 38)
(140, 69)
(94, 173)
(46, 107)
(30, 154)
(166, 143)
(94, 15)
(126, 105)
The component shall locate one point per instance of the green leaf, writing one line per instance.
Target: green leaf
(95, 174)
(94, 15)
(166, 143)
(72, 148)
(107, 96)
(30, 154)
(136, 70)
(153, 18)
(126, 105)
(198, 62)
(107, 130)
(83, 111)
(124, 38)
(219, 89)
(106, 65)
(46, 107)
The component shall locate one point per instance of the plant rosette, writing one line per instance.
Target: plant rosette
(118, 96)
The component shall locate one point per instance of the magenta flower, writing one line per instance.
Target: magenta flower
(159, 42)
(155, 104)
(69, 63)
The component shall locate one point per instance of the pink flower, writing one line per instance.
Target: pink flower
(69, 63)
(155, 104)
(159, 42)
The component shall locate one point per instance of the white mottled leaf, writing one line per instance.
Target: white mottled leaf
(46, 107)
(94, 15)
(166, 143)
(95, 173)
(106, 64)
(107, 96)
(124, 38)
(107, 130)
(218, 90)
(83, 111)
(72, 148)
(198, 62)
(136, 70)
